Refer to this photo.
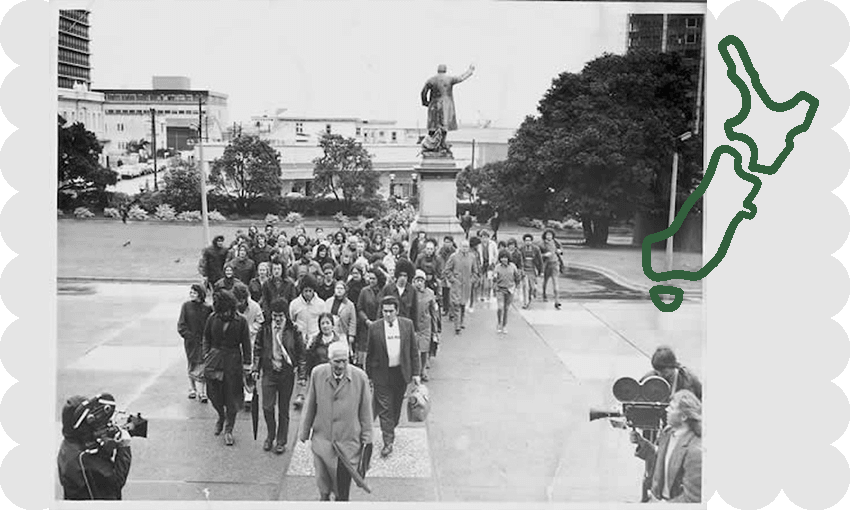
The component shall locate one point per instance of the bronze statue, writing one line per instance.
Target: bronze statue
(437, 96)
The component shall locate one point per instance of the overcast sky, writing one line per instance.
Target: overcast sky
(356, 58)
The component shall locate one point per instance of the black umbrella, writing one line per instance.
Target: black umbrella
(355, 474)
(255, 411)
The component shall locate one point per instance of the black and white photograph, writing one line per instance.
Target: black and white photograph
(378, 251)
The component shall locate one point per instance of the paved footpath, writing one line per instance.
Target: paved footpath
(509, 419)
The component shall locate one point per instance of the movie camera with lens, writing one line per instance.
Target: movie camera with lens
(101, 424)
(644, 404)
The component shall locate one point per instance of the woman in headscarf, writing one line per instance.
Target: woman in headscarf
(229, 279)
(190, 325)
(227, 355)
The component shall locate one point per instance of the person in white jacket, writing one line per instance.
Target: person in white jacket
(488, 254)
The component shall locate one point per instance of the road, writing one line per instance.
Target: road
(509, 419)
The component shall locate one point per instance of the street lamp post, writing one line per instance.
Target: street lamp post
(673, 183)
(392, 185)
(204, 214)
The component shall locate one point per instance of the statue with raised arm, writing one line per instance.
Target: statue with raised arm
(437, 96)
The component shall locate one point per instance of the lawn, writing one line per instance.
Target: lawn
(154, 250)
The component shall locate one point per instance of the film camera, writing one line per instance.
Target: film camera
(101, 424)
(644, 404)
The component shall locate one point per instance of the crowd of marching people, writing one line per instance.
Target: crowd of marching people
(280, 300)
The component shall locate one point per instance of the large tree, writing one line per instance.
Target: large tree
(345, 170)
(248, 169)
(602, 144)
(78, 162)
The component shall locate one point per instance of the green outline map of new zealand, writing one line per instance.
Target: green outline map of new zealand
(750, 207)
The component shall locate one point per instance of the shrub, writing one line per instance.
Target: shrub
(538, 224)
(83, 212)
(216, 216)
(341, 218)
(137, 213)
(59, 212)
(149, 200)
(111, 212)
(272, 218)
(165, 212)
(573, 224)
(294, 217)
(189, 216)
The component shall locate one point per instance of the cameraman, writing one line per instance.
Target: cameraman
(676, 458)
(666, 366)
(88, 468)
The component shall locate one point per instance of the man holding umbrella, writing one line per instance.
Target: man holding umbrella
(279, 354)
(338, 421)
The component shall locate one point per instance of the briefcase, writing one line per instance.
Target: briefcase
(418, 404)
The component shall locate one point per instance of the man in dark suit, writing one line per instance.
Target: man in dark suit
(392, 360)
(278, 354)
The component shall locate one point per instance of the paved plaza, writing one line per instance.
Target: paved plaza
(509, 417)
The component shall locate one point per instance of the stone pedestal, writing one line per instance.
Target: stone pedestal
(437, 198)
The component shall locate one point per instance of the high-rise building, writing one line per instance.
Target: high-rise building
(74, 67)
(672, 33)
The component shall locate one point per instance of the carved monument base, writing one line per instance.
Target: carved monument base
(437, 198)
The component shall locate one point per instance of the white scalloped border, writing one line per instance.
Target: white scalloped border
(757, 441)
(772, 410)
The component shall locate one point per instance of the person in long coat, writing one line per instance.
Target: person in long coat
(338, 410)
(227, 354)
(190, 326)
(461, 271)
(368, 304)
(427, 318)
(212, 262)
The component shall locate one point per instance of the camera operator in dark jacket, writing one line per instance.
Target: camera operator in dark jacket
(88, 470)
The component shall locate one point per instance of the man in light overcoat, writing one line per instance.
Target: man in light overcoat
(338, 410)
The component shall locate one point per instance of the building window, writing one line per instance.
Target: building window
(357, 131)
(691, 23)
(299, 128)
(691, 39)
(328, 128)
(394, 136)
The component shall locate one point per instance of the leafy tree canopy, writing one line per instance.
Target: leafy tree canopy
(182, 186)
(78, 160)
(602, 143)
(248, 169)
(345, 170)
